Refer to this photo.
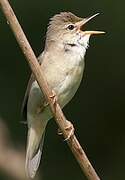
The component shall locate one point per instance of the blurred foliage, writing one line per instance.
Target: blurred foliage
(97, 110)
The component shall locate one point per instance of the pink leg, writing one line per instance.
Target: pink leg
(69, 128)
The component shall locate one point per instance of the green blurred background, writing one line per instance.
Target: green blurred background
(97, 110)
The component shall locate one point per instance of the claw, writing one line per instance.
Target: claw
(70, 130)
(53, 97)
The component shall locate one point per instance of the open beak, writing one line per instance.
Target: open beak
(81, 23)
(93, 32)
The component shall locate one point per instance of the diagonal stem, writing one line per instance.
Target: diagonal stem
(55, 108)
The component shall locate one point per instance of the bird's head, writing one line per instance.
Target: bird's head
(69, 29)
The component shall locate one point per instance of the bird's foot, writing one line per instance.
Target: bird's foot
(70, 130)
(53, 97)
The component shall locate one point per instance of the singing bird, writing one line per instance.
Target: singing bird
(62, 63)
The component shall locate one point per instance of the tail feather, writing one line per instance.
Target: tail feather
(33, 164)
(34, 152)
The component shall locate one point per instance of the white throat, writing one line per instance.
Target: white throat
(77, 48)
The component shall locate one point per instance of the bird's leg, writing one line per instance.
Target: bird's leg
(42, 107)
(68, 125)
(69, 128)
(53, 97)
(54, 100)
(45, 104)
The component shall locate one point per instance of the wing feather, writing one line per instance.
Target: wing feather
(25, 99)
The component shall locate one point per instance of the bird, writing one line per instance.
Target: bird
(62, 63)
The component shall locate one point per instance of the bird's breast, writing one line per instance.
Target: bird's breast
(68, 87)
(63, 74)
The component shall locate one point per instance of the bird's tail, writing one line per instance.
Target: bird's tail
(34, 149)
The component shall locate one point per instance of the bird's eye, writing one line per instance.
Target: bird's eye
(71, 27)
